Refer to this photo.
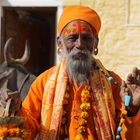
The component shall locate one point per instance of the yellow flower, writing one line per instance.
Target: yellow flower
(84, 115)
(85, 106)
(17, 131)
(79, 137)
(66, 95)
(122, 120)
(83, 122)
(85, 94)
(124, 112)
(87, 87)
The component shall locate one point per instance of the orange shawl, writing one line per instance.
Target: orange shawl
(54, 91)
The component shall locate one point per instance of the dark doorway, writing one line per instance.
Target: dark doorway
(36, 25)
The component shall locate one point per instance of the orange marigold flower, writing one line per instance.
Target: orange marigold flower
(12, 132)
(3, 132)
(17, 131)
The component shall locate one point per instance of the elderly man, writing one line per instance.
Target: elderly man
(79, 99)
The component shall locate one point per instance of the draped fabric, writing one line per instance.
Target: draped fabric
(51, 112)
(52, 106)
(104, 104)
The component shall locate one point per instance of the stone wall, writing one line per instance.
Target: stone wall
(119, 46)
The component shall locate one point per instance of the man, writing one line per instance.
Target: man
(79, 99)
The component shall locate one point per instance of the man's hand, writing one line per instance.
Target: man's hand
(133, 85)
(15, 103)
(4, 96)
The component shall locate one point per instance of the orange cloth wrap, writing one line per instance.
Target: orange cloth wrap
(72, 13)
(32, 105)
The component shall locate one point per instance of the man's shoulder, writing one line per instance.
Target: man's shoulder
(43, 77)
(115, 76)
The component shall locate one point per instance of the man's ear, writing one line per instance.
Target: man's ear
(96, 46)
(59, 43)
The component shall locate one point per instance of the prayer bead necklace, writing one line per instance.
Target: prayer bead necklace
(110, 78)
(124, 113)
(126, 102)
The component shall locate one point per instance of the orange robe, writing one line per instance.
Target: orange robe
(31, 108)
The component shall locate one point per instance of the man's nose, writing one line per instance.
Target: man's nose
(79, 43)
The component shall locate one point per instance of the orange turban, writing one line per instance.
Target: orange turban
(71, 13)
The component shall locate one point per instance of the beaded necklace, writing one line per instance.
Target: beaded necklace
(85, 106)
(126, 102)
(124, 113)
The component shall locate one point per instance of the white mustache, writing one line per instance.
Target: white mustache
(81, 53)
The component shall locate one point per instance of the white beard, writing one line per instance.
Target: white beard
(79, 64)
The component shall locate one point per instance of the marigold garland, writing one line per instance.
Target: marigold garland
(85, 106)
(12, 132)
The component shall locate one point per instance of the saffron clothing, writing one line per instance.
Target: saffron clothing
(72, 13)
(43, 106)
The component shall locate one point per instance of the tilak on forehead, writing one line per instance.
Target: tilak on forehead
(77, 26)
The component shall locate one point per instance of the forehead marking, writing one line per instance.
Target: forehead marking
(76, 27)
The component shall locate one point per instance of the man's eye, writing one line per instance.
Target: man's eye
(72, 39)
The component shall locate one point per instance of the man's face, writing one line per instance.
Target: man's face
(78, 35)
(78, 42)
